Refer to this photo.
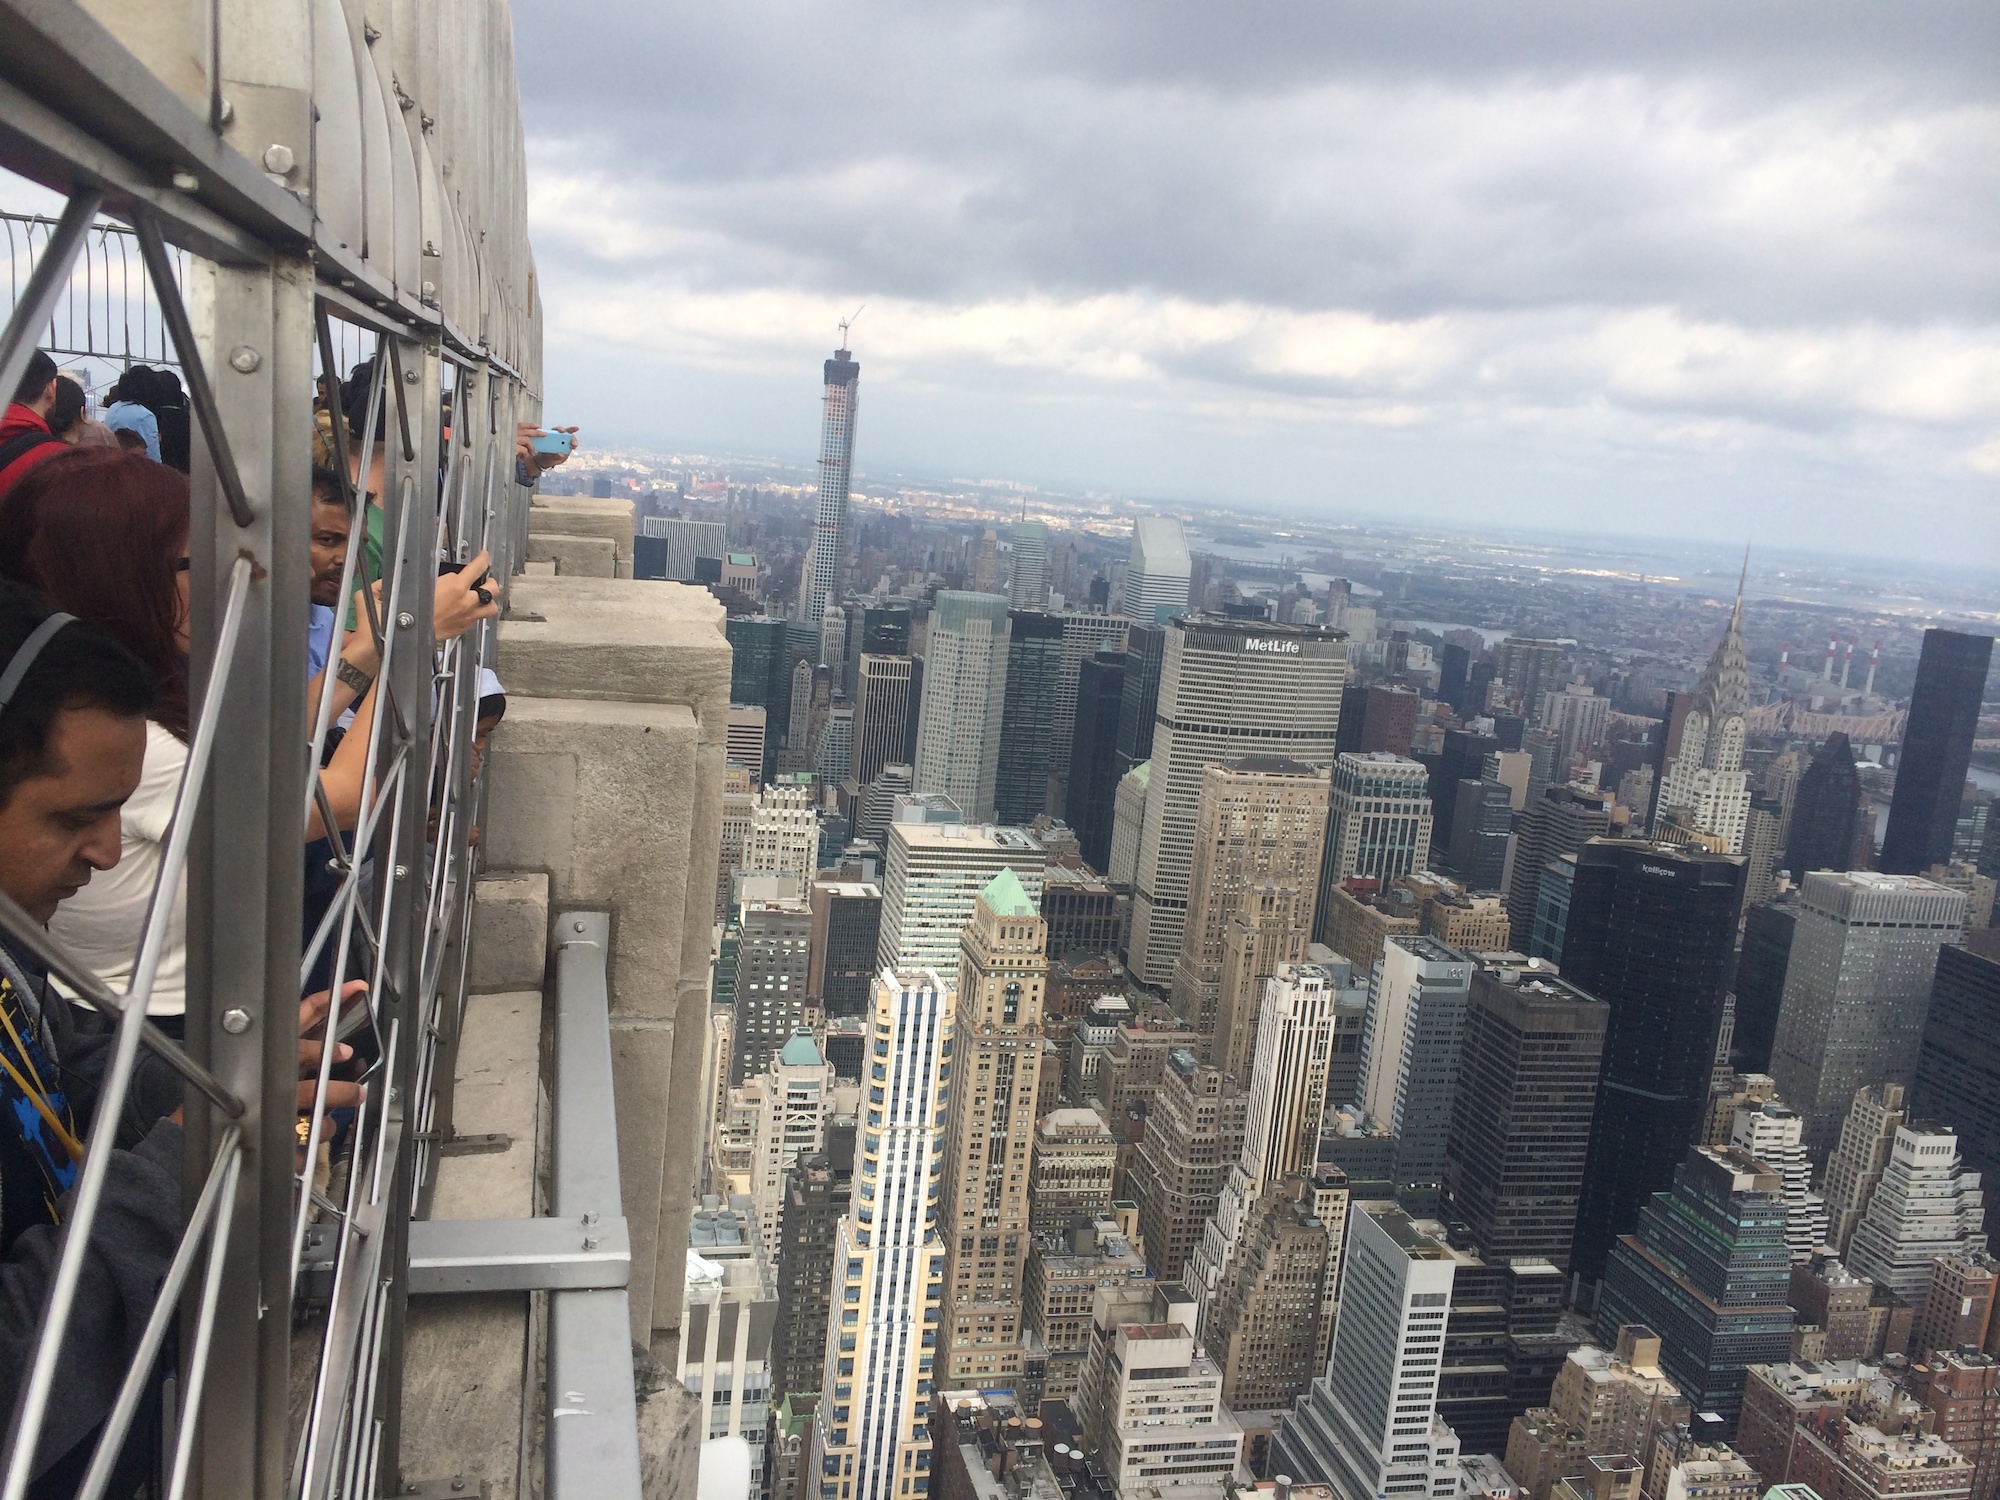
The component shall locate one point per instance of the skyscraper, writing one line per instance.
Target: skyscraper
(1029, 587)
(1027, 738)
(1145, 652)
(1369, 1426)
(1856, 987)
(1260, 819)
(760, 674)
(964, 699)
(1708, 1270)
(889, 1259)
(1227, 687)
(1482, 824)
(1558, 822)
(1529, 667)
(1379, 820)
(1156, 577)
(1389, 722)
(1652, 933)
(1463, 758)
(1083, 636)
(819, 1191)
(827, 563)
(1937, 748)
(933, 875)
(771, 974)
(1958, 1068)
(1194, 1130)
(1090, 796)
(881, 714)
(846, 930)
(1927, 1206)
(1520, 1117)
(1002, 970)
(1287, 1098)
(1411, 1044)
(1705, 787)
(1760, 980)
(1824, 807)
(1855, 1168)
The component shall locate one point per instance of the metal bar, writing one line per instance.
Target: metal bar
(519, 1255)
(593, 1432)
(111, 1096)
(201, 395)
(46, 284)
(34, 939)
(197, 1373)
(122, 1412)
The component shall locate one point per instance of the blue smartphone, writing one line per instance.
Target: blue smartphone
(558, 443)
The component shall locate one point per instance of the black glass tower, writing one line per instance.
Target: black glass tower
(760, 673)
(1958, 1067)
(1937, 748)
(1034, 667)
(1093, 757)
(1760, 982)
(1454, 668)
(1652, 933)
(1824, 809)
(1145, 649)
(1464, 759)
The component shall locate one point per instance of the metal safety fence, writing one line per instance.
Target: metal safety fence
(273, 1355)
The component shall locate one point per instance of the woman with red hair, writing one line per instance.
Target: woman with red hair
(104, 533)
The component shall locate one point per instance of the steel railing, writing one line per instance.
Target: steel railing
(279, 1328)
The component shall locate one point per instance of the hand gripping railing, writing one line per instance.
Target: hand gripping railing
(282, 1258)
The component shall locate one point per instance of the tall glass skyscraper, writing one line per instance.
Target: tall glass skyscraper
(1145, 647)
(1652, 933)
(1093, 760)
(836, 467)
(1937, 748)
(1027, 725)
(964, 694)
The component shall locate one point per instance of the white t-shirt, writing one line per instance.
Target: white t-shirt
(101, 923)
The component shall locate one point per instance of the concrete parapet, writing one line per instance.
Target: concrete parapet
(575, 556)
(607, 775)
(579, 515)
(539, 569)
(510, 933)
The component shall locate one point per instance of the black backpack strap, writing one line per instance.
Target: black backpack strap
(21, 443)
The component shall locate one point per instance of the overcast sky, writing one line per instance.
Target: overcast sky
(1711, 268)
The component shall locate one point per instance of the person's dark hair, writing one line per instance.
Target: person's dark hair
(130, 441)
(68, 410)
(79, 667)
(41, 370)
(492, 706)
(100, 531)
(326, 489)
(354, 393)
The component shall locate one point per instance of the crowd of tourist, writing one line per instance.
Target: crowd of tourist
(95, 720)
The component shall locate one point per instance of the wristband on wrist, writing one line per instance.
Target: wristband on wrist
(353, 676)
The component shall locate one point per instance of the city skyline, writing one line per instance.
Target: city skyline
(1714, 275)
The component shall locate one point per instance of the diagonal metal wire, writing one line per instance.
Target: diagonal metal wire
(228, 1159)
(201, 395)
(46, 286)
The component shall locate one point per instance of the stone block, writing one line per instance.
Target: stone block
(538, 569)
(510, 932)
(644, 1094)
(580, 515)
(615, 638)
(575, 556)
(602, 797)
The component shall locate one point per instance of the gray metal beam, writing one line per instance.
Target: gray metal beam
(518, 1255)
(56, 54)
(593, 1431)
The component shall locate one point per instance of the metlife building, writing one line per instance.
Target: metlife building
(1228, 688)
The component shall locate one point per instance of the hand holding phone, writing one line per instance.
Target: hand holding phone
(557, 444)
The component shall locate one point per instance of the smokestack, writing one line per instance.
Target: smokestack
(1874, 661)
(1785, 657)
(1826, 672)
(1847, 665)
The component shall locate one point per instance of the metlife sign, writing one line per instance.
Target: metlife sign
(1273, 648)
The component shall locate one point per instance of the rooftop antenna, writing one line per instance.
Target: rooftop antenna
(847, 323)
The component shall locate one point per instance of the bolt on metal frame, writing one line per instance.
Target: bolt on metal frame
(249, 293)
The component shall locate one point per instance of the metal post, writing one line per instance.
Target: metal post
(254, 330)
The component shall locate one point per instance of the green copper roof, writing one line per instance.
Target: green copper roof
(1007, 896)
(799, 1052)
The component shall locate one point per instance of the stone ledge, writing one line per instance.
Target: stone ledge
(618, 639)
(510, 932)
(575, 556)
